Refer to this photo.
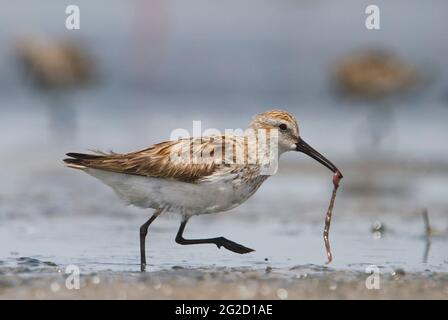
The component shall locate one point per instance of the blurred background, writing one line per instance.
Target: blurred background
(373, 101)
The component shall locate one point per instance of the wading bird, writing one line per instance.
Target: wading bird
(154, 178)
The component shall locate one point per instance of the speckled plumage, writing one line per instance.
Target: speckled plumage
(151, 179)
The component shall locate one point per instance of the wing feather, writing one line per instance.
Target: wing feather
(186, 160)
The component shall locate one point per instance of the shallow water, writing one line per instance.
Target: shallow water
(95, 246)
(97, 233)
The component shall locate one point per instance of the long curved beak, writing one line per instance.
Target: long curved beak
(304, 147)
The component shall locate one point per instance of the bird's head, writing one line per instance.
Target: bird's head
(289, 138)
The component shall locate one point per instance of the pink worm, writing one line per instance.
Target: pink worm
(336, 179)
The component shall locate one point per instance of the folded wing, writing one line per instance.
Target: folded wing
(186, 160)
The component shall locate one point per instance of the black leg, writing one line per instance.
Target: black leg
(143, 233)
(219, 241)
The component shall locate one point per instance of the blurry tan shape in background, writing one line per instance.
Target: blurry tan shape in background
(54, 64)
(375, 74)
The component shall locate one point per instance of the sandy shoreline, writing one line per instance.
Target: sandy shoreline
(226, 283)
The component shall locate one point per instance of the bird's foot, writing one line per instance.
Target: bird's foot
(232, 246)
(142, 267)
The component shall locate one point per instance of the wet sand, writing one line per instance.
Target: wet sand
(301, 282)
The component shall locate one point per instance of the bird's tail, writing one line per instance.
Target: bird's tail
(80, 160)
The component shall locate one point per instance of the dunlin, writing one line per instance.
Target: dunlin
(154, 178)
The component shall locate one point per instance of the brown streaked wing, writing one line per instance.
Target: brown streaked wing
(156, 160)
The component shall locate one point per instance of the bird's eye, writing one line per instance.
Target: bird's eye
(283, 127)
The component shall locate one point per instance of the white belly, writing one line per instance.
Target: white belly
(175, 196)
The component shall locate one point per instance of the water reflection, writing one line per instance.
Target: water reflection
(377, 132)
(62, 118)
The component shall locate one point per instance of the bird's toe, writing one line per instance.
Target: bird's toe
(233, 246)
